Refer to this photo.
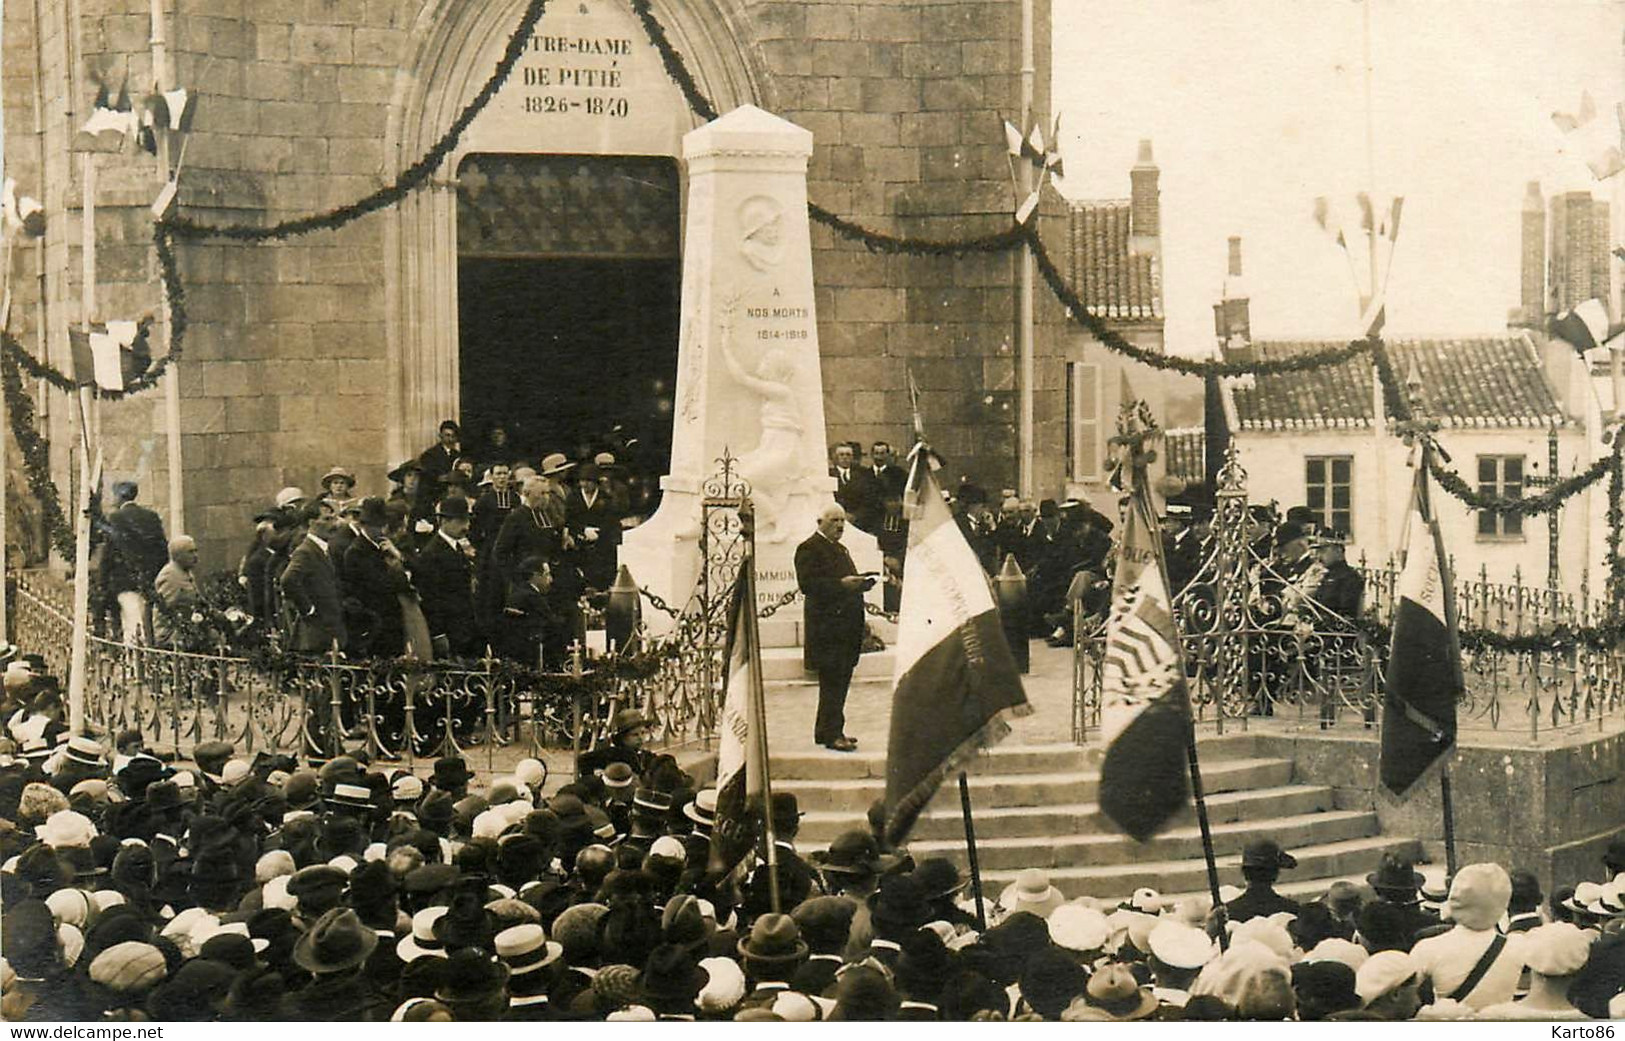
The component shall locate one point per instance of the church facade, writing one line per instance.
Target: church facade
(534, 280)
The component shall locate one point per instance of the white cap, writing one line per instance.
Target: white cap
(288, 496)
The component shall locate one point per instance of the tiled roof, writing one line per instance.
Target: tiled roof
(1111, 281)
(1185, 453)
(1488, 381)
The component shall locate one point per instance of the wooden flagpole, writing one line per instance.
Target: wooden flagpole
(1142, 503)
(1446, 580)
(172, 378)
(759, 700)
(90, 473)
(970, 846)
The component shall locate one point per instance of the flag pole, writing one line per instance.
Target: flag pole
(1446, 804)
(1142, 503)
(759, 733)
(970, 846)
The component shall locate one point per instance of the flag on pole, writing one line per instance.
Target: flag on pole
(741, 762)
(1584, 326)
(1592, 137)
(20, 214)
(957, 682)
(1029, 205)
(108, 355)
(1144, 705)
(1381, 236)
(1424, 659)
(115, 116)
(1013, 141)
(1035, 145)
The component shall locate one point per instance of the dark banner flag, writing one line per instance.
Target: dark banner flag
(1424, 660)
(1144, 706)
(956, 679)
(741, 765)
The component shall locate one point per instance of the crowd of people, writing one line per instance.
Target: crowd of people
(473, 549)
(253, 888)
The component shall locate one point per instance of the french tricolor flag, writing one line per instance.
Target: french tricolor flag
(1424, 659)
(1144, 705)
(957, 682)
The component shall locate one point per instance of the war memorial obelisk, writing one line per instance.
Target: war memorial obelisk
(749, 381)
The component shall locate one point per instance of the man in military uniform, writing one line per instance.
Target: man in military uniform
(1341, 587)
(1281, 593)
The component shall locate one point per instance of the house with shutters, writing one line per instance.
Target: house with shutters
(1114, 264)
(1323, 439)
(1516, 410)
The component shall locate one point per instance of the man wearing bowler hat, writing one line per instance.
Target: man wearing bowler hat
(444, 576)
(375, 578)
(796, 880)
(1261, 864)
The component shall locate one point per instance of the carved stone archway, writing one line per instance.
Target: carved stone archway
(460, 45)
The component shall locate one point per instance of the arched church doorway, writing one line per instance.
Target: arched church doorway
(568, 283)
(558, 213)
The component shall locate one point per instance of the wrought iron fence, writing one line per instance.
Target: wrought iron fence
(1259, 646)
(395, 708)
(401, 708)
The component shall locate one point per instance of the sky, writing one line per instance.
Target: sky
(1255, 107)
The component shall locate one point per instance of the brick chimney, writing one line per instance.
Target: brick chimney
(1232, 322)
(1145, 211)
(1532, 263)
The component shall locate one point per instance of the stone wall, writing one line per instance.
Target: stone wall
(286, 366)
(1550, 807)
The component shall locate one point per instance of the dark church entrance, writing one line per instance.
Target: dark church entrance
(568, 291)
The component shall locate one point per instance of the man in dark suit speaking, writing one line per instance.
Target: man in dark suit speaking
(833, 637)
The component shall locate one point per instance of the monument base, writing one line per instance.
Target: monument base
(664, 553)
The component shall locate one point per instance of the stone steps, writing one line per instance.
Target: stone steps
(1176, 844)
(1318, 866)
(1078, 818)
(853, 795)
(871, 763)
(1035, 807)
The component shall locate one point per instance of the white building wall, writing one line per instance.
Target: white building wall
(1381, 489)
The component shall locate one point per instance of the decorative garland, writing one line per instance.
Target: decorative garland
(1399, 406)
(876, 241)
(174, 294)
(36, 450)
(411, 178)
(1156, 359)
(698, 103)
(1528, 506)
(40, 370)
(1560, 638)
(418, 173)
